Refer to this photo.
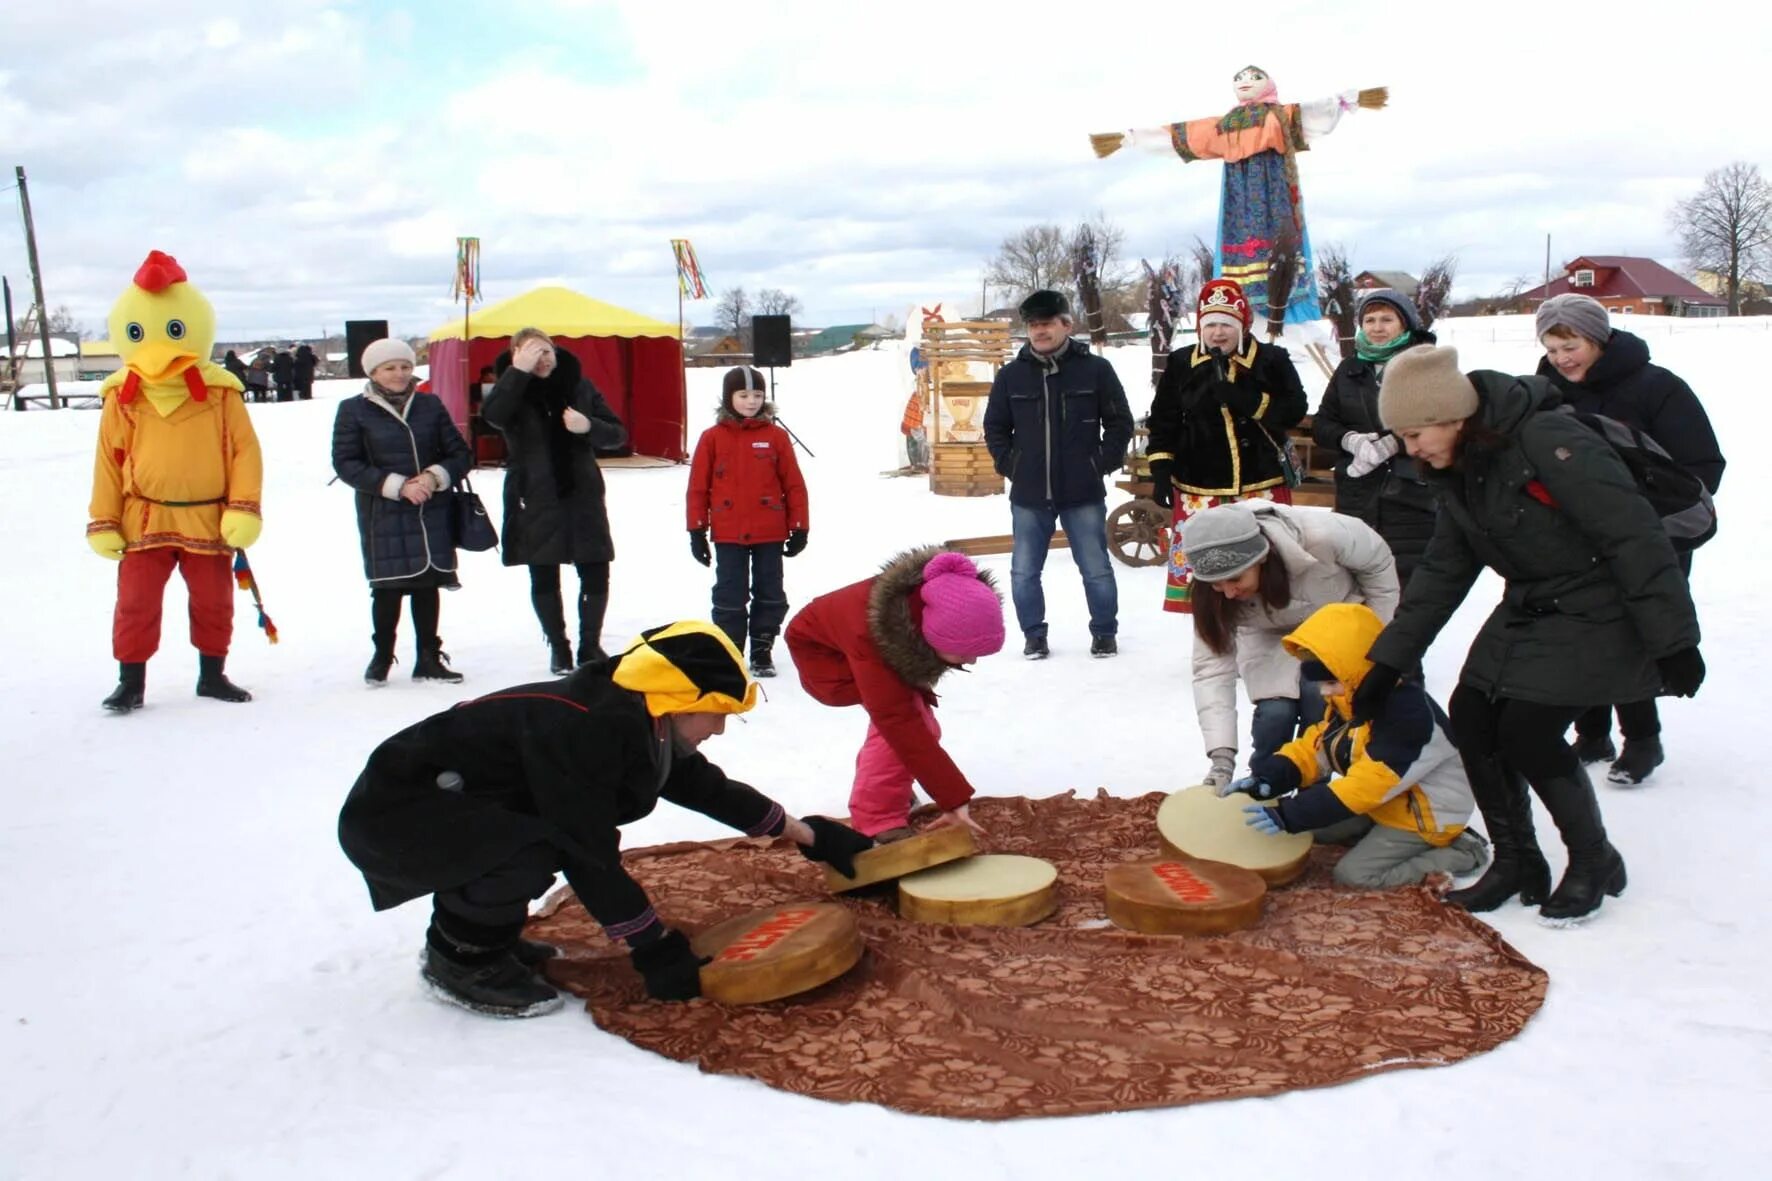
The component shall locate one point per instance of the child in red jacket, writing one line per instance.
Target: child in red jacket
(882, 643)
(745, 487)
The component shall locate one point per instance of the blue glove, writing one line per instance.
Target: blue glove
(1255, 785)
(1263, 819)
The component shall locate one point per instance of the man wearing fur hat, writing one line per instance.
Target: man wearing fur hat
(481, 805)
(1056, 423)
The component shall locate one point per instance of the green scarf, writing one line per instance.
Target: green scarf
(1378, 354)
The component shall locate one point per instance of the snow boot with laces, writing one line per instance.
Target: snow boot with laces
(433, 664)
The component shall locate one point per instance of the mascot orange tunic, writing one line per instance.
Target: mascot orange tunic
(177, 478)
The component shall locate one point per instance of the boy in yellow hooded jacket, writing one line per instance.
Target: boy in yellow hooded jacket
(1396, 783)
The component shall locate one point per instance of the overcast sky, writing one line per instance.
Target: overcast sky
(310, 162)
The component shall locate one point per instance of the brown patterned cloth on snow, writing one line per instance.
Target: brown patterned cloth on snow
(1072, 1015)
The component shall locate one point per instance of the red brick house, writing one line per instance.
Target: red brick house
(1639, 286)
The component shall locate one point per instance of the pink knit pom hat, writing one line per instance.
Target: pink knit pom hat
(962, 612)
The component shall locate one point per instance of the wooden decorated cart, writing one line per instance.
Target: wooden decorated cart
(1138, 531)
(960, 360)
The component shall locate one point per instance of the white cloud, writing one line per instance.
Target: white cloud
(853, 155)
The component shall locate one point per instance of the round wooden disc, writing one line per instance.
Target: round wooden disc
(777, 951)
(991, 890)
(1183, 897)
(882, 863)
(1198, 824)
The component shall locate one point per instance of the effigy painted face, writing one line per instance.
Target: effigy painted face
(1252, 85)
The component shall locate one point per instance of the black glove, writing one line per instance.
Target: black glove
(698, 546)
(1162, 485)
(1276, 774)
(670, 967)
(1370, 697)
(834, 844)
(1682, 673)
(795, 543)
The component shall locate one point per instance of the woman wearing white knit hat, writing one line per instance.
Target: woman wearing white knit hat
(1595, 608)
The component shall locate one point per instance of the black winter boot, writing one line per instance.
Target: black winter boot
(433, 663)
(1595, 868)
(552, 614)
(1595, 748)
(591, 609)
(762, 656)
(376, 675)
(532, 954)
(132, 680)
(1517, 866)
(1637, 762)
(489, 980)
(212, 682)
(560, 656)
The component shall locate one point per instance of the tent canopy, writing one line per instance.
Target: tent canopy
(557, 311)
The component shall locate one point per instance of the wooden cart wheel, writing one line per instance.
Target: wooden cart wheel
(1138, 533)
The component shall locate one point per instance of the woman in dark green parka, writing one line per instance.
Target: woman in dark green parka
(1596, 609)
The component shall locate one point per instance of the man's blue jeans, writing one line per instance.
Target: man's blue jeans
(1085, 525)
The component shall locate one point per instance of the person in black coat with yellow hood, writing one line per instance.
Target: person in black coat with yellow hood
(481, 805)
(1601, 370)
(1374, 480)
(1595, 606)
(1218, 423)
(554, 422)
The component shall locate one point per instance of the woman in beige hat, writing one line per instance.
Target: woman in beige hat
(1595, 610)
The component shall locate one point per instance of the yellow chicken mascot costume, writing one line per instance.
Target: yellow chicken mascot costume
(177, 479)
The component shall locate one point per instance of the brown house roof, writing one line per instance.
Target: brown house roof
(1618, 276)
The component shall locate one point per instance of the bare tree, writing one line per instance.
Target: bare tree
(772, 301)
(733, 312)
(1727, 227)
(1036, 258)
(1204, 262)
(1335, 286)
(1435, 288)
(63, 324)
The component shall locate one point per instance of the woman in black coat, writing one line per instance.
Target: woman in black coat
(1218, 423)
(554, 421)
(401, 452)
(1595, 605)
(1600, 370)
(1374, 480)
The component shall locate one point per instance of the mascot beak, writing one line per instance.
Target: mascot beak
(156, 361)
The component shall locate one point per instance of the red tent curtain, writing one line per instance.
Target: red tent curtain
(640, 378)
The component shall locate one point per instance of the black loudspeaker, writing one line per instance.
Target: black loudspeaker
(772, 342)
(359, 335)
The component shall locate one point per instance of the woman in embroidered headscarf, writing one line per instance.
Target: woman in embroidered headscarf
(1260, 211)
(1218, 423)
(1374, 479)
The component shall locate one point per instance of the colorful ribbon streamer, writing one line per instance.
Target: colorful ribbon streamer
(689, 276)
(243, 576)
(467, 269)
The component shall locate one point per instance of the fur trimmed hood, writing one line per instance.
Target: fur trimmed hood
(895, 617)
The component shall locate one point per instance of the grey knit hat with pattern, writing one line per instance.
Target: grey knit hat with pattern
(1222, 542)
(1423, 386)
(1578, 313)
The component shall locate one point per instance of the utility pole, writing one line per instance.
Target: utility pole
(24, 200)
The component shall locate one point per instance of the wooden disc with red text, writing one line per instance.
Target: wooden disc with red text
(1183, 896)
(777, 951)
(882, 863)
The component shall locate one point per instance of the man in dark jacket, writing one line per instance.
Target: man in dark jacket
(1600, 370)
(1056, 423)
(283, 373)
(306, 362)
(482, 804)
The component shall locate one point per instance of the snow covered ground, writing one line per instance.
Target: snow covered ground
(192, 982)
